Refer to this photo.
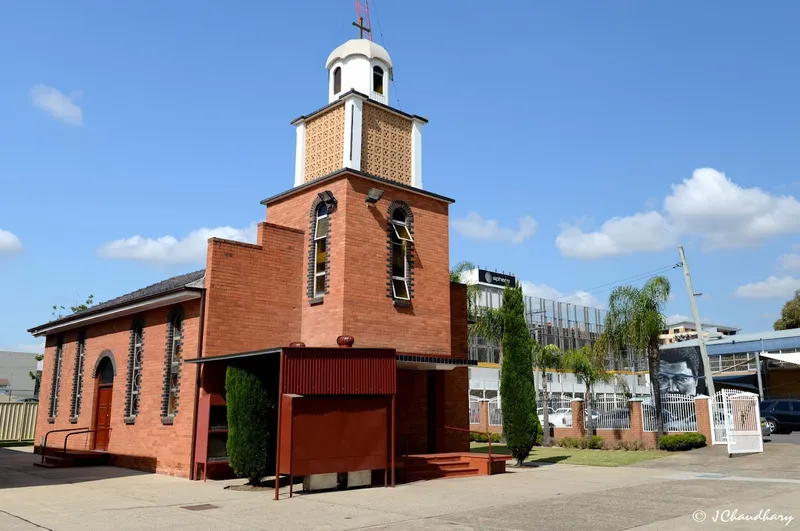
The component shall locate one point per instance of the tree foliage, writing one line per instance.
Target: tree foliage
(546, 357)
(635, 320)
(521, 425)
(58, 310)
(250, 408)
(588, 363)
(790, 314)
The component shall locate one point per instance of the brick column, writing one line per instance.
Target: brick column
(483, 416)
(637, 426)
(578, 421)
(703, 416)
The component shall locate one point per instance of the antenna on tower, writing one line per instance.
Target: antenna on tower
(362, 14)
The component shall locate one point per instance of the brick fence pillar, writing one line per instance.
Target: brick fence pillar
(483, 416)
(578, 421)
(636, 416)
(703, 416)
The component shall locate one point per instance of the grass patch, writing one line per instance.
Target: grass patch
(12, 444)
(576, 456)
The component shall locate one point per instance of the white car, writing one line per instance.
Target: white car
(550, 413)
(559, 417)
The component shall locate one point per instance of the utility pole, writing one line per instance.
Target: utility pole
(696, 315)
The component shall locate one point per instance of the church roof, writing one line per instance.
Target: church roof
(176, 283)
(364, 47)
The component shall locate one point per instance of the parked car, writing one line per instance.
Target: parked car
(567, 418)
(781, 415)
(687, 424)
(558, 418)
(765, 431)
(550, 413)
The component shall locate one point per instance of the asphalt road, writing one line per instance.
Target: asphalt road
(793, 438)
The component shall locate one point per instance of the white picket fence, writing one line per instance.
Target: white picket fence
(17, 421)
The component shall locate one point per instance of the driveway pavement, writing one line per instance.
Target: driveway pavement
(662, 495)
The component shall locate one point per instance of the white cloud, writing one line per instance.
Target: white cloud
(543, 291)
(771, 288)
(57, 104)
(788, 262)
(476, 228)
(726, 215)
(9, 243)
(708, 205)
(638, 233)
(170, 250)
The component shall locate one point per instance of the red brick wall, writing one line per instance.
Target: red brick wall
(411, 407)
(459, 333)
(322, 323)
(147, 444)
(253, 292)
(356, 302)
(456, 409)
(369, 314)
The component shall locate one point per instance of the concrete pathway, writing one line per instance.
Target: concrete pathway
(553, 497)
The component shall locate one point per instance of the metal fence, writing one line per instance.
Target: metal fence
(609, 412)
(17, 421)
(678, 412)
(560, 413)
(474, 411)
(495, 413)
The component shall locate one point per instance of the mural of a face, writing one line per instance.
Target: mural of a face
(676, 377)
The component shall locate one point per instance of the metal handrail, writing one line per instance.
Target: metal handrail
(44, 442)
(488, 437)
(64, 453)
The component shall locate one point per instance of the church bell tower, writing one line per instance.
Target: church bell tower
(359, 129)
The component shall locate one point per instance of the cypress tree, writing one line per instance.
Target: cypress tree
(249, 412)
(521, 425)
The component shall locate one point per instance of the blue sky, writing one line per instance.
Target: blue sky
(582, 141)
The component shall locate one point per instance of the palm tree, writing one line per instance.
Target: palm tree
(635, 320)
(546, 357)
(587, 362)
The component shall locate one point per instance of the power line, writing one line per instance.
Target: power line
(610, 285)
(383, 43)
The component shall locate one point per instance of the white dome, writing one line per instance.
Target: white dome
(364, 47)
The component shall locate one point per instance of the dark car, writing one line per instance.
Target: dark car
(781, 415)
(620, 418)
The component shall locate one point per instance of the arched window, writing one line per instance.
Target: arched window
(377, 79)
(320, 249)
(77, 379)
(172, 370)
(134, 384)
(55, 382)
(337, 80)
(400, 238)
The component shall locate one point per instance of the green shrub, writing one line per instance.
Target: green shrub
(593, 443)
(483, 438)
(249, 412)
(632, 446)
(682, 442)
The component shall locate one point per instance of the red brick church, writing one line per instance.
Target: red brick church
(355, 254)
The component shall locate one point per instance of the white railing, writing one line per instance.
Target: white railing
(610, 412)
(495, 413)
(678, 412)
(474, 412)
(17, 421)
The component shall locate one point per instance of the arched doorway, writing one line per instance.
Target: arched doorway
(104, 374)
